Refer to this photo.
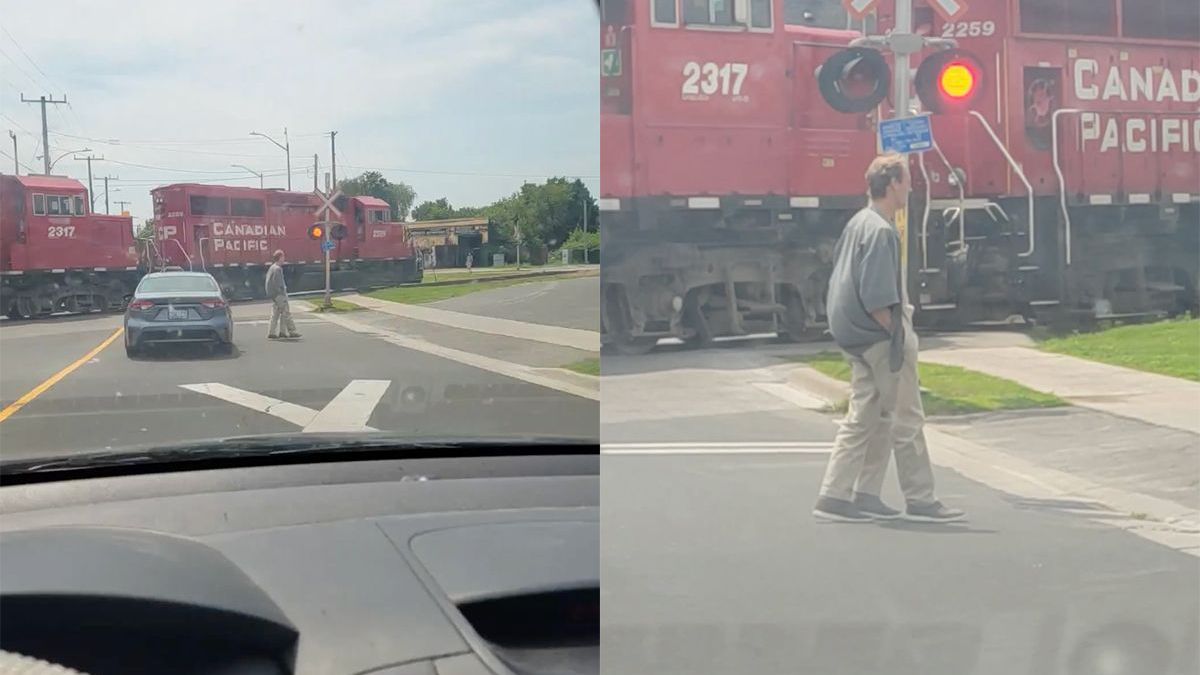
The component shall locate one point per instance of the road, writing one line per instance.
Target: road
(351, 371)
(712, 562)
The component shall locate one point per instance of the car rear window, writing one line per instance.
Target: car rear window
(172, 284)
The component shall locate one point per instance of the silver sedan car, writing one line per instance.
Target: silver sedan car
(173, 307)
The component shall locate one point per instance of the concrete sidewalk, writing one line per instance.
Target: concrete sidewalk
(556, 335)
(1155, 399)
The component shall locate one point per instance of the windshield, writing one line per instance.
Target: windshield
(172, 151)
(179, 283)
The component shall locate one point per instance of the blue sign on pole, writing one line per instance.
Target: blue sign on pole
(327, 245)
(905, 135)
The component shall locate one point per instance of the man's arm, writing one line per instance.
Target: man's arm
(883, 316)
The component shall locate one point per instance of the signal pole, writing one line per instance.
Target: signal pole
(316, 171)
(16, 161)
(91, 190)
(903, 43)
(328, 292)
(333, 156)
(45, 132)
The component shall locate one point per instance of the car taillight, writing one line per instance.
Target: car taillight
(140, 305)
(215, 303)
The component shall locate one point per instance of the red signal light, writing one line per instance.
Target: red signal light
(316, 232)
(949, 81)
(957, 81)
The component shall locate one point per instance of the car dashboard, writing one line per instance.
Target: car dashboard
(430, 566)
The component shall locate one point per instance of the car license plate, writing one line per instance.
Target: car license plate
(176, 314)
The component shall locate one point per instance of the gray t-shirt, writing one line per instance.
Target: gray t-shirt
(865, 278)
(275, 283)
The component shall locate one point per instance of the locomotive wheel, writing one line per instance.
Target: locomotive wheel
(795, 321)
(693, 314)
(618, 329)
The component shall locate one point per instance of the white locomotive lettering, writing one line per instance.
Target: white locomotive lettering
(1151, 83)
(1139, 134)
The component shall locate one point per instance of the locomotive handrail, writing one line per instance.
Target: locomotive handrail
(1020, 174)
(962, 195)
(1062, 181)
(184, 252)
(925, 215)
(200, 247)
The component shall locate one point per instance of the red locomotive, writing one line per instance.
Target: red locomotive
(1069, 189)
(55, 255)
(231, 232)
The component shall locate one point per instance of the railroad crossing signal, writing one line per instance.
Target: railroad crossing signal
(949, 81)
(327, 206)
(859, 8)
(854, 80)
(337, 231)
(857, 79)
(316, 231)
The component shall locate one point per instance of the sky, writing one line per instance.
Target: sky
(463, 99)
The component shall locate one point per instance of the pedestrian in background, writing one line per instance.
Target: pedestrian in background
(281, 324)
(871, 322)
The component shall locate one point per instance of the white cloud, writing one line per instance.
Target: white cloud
(403, 81)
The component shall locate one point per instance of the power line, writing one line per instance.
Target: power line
(21, 70)
(27, 167)
(123, 144)
(167, 168)
(26, 55)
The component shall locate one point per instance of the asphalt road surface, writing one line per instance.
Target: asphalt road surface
(712, 562)
(349, 372)
(572, 303)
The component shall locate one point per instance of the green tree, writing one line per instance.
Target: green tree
(439, 209)
(146, 231)
(399, 196)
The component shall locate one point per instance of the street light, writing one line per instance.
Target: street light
(286, 146)
(260, 176)
(65, 154)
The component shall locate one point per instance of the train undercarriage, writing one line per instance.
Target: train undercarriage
(35, 295)
(699, 275)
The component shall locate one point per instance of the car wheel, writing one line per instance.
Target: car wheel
(130, 350)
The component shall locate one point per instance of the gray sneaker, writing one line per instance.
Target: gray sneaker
(933, 513)
(874, 507)
(839, 510)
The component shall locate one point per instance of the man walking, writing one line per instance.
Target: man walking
(872, 324)
(281, 314)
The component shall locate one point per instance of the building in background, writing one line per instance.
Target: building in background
(446, 243)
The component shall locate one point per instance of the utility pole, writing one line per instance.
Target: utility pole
(333, 156)
(106, 178)
(91, 190)
(121, 204)
(316, 170)
(585, 247)
(16, 161)
(45, 131)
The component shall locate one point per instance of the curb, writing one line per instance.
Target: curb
(500, 277)
(1172, 524)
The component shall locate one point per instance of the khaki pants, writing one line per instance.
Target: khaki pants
(885, 417)
(281, 317)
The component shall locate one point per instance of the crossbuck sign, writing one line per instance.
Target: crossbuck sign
(327, 206)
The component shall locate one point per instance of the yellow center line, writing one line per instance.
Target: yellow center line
(54, 379)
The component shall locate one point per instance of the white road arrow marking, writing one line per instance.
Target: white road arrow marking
(348, 411)
(351, 408)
